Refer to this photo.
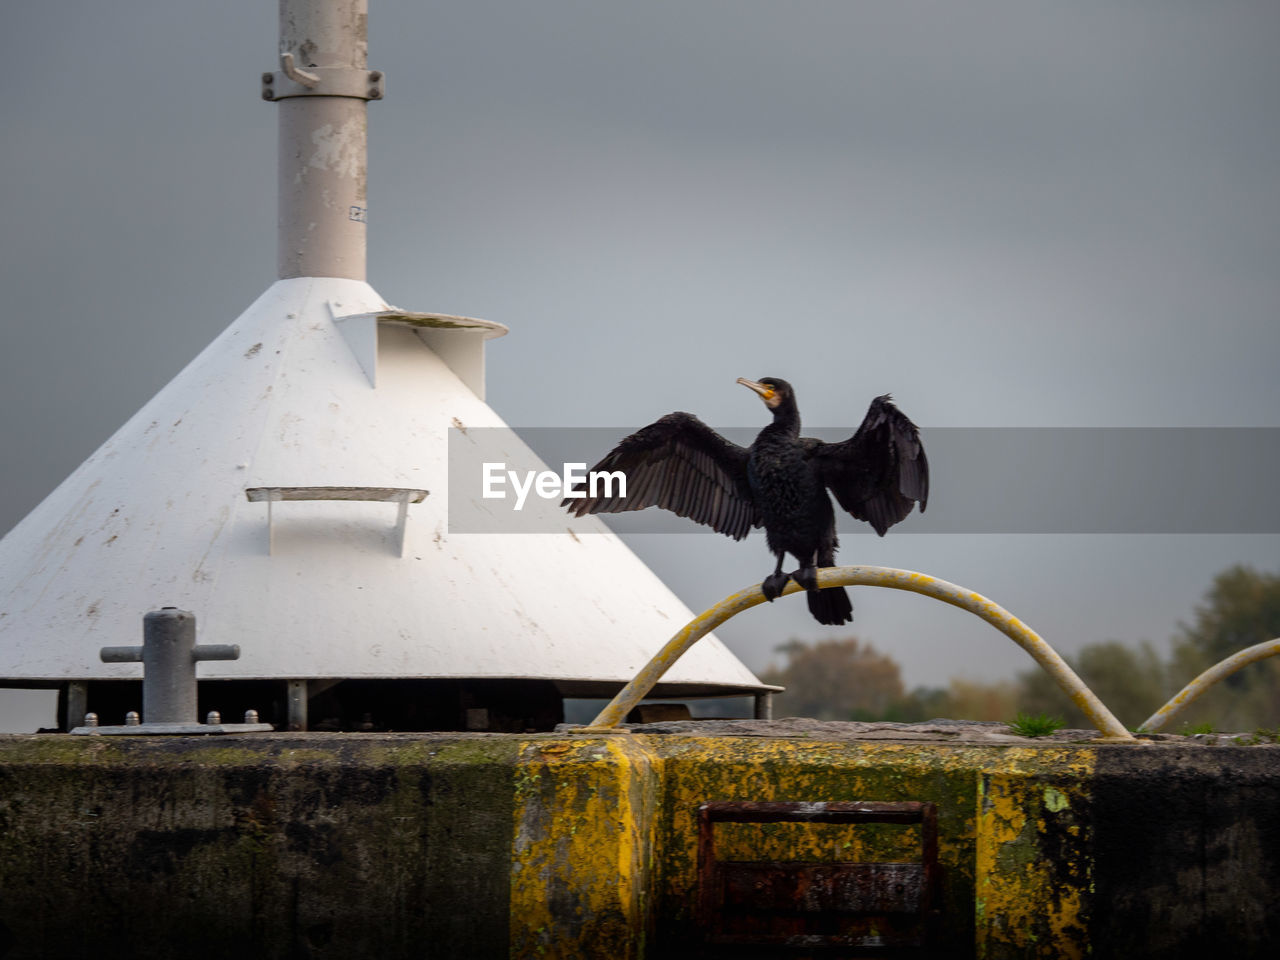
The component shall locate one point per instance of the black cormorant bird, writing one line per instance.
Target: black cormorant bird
(780, 482)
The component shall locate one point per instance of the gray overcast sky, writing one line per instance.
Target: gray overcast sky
(1007, 214)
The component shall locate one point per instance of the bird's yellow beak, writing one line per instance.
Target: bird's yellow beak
(766, 393)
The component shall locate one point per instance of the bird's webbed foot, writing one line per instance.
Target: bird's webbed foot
(807, 577)
(774, 584)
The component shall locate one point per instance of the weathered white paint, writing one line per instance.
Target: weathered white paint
(322, 92)
(159, 516)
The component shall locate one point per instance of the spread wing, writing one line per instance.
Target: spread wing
(880, 472)
(682, 465)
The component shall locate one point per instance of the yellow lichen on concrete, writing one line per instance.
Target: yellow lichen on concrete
(1033, 862)
(605, 834)
(581, 850)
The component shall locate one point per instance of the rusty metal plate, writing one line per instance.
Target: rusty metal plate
(807, 904)
(823, 887)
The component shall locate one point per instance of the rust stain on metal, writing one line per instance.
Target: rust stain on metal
(799, 903)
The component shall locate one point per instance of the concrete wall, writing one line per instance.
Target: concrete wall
(455, 845)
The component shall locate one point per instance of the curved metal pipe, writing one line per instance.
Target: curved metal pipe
(997, 616)
(1219, 671)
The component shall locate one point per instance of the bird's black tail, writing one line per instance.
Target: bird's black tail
(830, 606)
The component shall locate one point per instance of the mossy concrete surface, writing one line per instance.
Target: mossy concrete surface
(264, 846)
(564, 845)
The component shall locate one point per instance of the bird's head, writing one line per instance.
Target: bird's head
(772, 390)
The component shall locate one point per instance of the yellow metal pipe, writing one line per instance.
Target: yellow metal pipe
(975, 603)
(1219, 671)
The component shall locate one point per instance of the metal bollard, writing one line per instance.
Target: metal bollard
(169, 655)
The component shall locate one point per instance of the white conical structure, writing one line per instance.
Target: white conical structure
(332, 589)
(216, 497)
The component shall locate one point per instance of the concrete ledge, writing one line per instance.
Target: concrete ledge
(266, 845)
(483, 845)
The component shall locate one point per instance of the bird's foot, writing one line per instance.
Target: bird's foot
(807, 577)
(773, 585)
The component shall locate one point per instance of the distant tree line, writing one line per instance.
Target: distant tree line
(850, 679)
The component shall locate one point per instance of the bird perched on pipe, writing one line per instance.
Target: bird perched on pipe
(780, 482)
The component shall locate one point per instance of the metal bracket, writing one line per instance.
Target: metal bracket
(171, 729)
(292, 81)
(304, 77)
(399, 495)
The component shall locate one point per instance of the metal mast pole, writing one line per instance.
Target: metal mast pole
(322, 87)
